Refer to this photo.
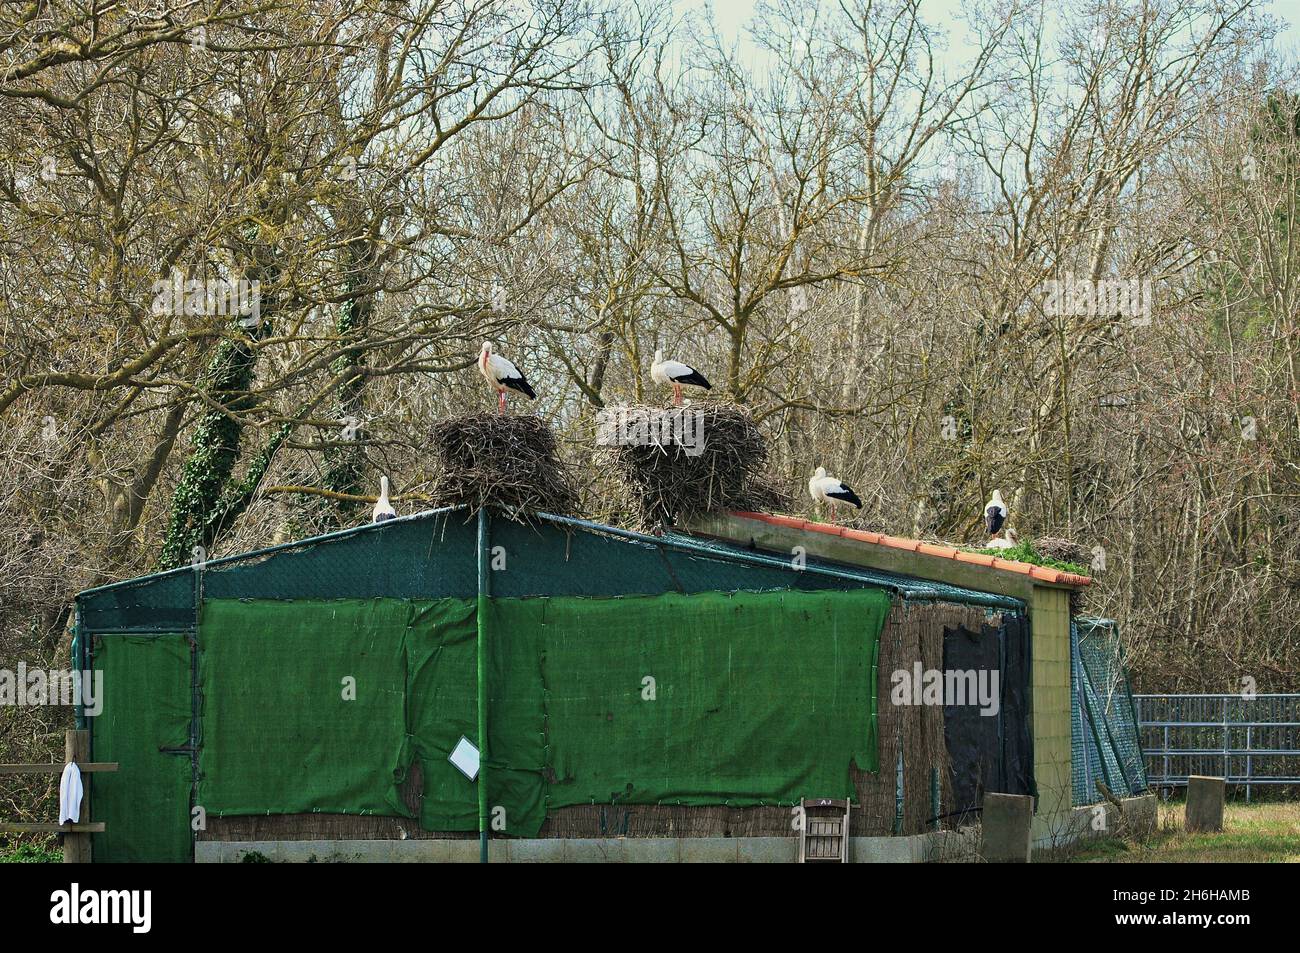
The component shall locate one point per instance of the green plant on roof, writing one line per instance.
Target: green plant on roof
(1025, 553)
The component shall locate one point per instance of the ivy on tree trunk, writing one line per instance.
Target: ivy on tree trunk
(215, 451)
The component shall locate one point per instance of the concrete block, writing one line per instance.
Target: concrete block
(539, 850)
(709, 850)
(466, 851)
(652, 850)
(887, 850)
(1141, 815)
(1204, 804)
(594, 850)
(1007, 822)
(767, 850)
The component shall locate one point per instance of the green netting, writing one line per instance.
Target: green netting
(758, 698)
(1103, 723)
(303, 706)
(431, 556)
(159, 603)
(441, 707)
(145, 804)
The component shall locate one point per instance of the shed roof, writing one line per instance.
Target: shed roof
(354, 562)
(1056, 577)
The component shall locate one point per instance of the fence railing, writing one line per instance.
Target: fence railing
(76, 834)
(1248, 741)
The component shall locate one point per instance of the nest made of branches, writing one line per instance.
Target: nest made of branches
(1063, 550)
(664, 483)
(510, 462)
(1067, 551)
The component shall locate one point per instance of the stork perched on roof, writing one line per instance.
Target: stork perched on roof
(502, 375)
(995, 513)
(829, 490)
(383, 509)
(677, 374)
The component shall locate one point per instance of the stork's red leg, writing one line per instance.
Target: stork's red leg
(677, 394)
(501, 404)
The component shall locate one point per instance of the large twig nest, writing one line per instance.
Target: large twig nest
(1063, 550)
(677, 462)
(507, 462)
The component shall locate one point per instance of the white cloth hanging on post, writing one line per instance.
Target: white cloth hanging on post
(70, 792)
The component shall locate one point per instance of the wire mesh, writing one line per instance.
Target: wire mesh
(1105, 741)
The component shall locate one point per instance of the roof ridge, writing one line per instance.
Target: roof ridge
(938, 550)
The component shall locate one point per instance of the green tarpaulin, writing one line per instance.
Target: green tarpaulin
(145, 727)
(303, 705)
(748, 698)
(741, 698)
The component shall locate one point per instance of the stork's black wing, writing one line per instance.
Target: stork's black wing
(520, 384)
(993, 519)
(845, 493)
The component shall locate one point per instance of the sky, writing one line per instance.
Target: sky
(731, 16)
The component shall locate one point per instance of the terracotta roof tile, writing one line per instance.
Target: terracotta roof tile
(1044, 573)
(863, 536)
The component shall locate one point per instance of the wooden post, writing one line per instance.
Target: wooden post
(76, 845)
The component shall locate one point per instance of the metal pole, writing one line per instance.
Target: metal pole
(934, 799)
(1248, 765)
(1166, 752)
(483, 593)
(898, 791)
(1227, 760)
(79, 662)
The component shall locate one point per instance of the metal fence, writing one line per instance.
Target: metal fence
(1248, 741)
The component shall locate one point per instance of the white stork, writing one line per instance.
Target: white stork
(828, 490)
(995, 513)
(1007, 541)
(383, 509)
(502, 375)
(677, 374)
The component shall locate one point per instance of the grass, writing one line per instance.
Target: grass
(1252, 834)
(29, 853)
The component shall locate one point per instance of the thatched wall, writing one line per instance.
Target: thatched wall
(912, 632)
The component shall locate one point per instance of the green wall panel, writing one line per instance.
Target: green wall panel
(280, 732)
(756, 698)
(145, 804)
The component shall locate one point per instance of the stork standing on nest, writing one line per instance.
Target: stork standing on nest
(677, 374)
(383, 509)
(995, 514)
(828, 490)
(502, 375)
